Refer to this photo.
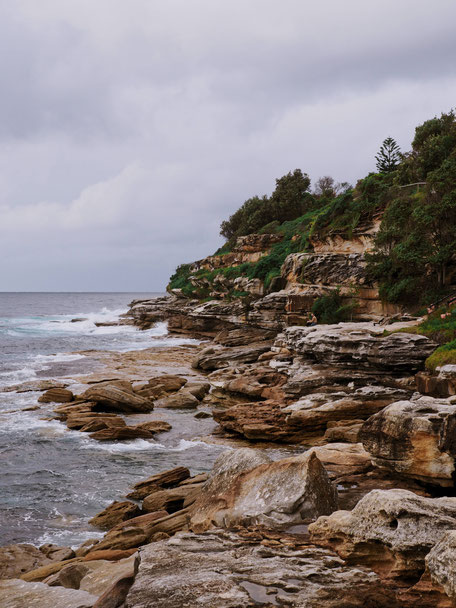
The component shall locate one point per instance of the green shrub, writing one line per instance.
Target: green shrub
(331, 309)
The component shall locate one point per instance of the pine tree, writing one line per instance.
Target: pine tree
(388, 156)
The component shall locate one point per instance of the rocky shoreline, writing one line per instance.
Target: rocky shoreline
(362, 514)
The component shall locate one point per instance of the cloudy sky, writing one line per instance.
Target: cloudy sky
(130, 129)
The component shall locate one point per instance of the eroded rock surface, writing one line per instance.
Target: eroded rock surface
(414, 438)
(390, 531)
(219, 569)
(246, 488)
(15, 593)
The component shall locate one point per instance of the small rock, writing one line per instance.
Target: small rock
(166, 479)
(183, 400)
(56, 395)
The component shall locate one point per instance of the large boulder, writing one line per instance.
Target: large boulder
(246, 487)
(414, 438)
(19, 594)
(390, 531)
(222, 570)
(118, 398)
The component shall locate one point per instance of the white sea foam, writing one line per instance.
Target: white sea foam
(140, 445)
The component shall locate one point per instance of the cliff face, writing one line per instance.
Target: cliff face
(329, 263)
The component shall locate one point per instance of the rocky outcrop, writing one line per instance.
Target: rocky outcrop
(358, 345)
(56, 395)
(390, 531)
(167, 479)
(115, 513)
(216, 357)
(415, 439)
(246, 488)
(228, 570)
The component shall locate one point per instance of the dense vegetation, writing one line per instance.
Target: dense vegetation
(414, 194)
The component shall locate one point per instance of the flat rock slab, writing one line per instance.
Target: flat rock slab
(221, 570)
(15, 593)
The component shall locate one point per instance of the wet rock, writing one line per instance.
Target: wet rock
(56, 395)
(415, 439)
(226, 571)
(115, 513)
(154, 426)
(19, 594)
(34, 385)
(121, 433)
(118, 399)
(390, 531)
(181, 400)
(203, 414)
(166, 479)
(198, 389)
(246, 488)
(15, 560)
(92, 421)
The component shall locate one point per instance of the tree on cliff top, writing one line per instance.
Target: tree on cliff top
(290, 200)
(389, 156)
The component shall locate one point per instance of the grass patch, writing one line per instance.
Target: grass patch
(444, 355)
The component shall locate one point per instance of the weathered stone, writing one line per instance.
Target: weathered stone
(198, 389)
(101, 578)
(115, 513)
(171, 500)
(154, 426)
(216, 357)
(70, 576)
(113, 555)
(222, 570)
(181, 400)
(441, 384)
(19, 594)
(359, 345)
(119, 399)
(56, 395)
(415, 439)
(441, 563)
(166, 479)
(247, 488)
(57, 553)
(93, 420)
(115, 596)
(390, 531)
(15, 560)
(41, 573)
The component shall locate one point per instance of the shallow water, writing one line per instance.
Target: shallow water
(53, 480)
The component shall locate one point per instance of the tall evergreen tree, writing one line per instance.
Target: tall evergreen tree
(388, 156)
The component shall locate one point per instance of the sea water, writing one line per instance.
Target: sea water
(53, 480)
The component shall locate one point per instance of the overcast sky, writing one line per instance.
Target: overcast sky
(130, 129)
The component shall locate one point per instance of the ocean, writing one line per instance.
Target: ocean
(53, 480)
